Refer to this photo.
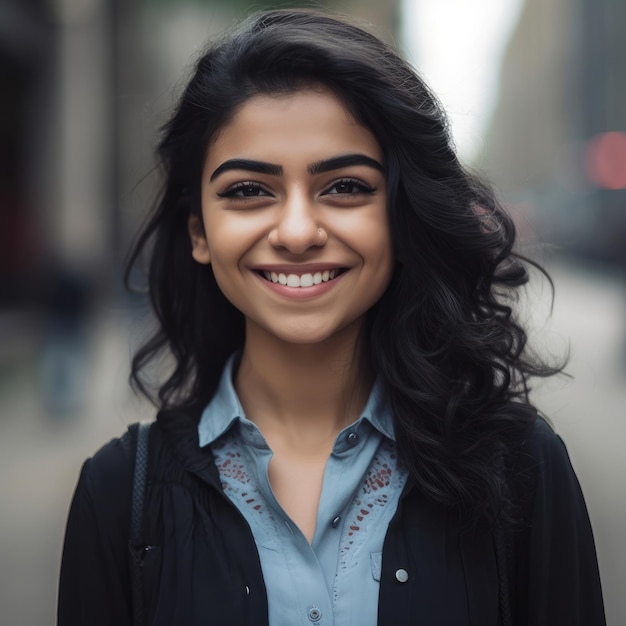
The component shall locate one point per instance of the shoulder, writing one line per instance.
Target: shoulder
(105, 482)
(542, 436)
(112, 464)
(542, 477)
(542, 452)
(556, 550)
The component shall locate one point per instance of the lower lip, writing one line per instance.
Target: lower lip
(301, 292)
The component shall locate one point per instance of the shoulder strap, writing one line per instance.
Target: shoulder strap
(139, 480)
(502, 563)
(136, 515)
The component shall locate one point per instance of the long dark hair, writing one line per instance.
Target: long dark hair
(443, 338)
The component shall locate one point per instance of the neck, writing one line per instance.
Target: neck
(310, 390)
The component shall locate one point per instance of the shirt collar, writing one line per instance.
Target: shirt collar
(224, 410)
(377, 411)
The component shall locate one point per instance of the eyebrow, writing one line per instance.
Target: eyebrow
(319, 167)
(345, 160)
(249, 165)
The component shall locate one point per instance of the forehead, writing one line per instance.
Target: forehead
(311, 123)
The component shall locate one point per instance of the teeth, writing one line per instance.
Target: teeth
(301, 280)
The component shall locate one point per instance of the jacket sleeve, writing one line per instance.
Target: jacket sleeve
(558, 570)
(94, 585)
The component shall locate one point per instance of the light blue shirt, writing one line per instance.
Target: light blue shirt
(333, 581)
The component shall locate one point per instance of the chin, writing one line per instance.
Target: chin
(301, 334)
(304, 338)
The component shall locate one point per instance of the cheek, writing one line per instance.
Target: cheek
(373, 237)
(225, 255)
(219, 233)
(374, 246)
(382, 256)
(231, 286)
(383, 271)
(228, 241)
(230, 235)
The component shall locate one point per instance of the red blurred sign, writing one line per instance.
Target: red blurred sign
(605, 160)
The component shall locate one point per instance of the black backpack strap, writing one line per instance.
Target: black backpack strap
(502, 561)
(136, 519)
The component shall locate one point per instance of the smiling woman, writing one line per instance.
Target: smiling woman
(346, 436)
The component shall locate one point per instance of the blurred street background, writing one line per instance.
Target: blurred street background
(536, 91)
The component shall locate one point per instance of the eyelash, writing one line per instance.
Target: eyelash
(232, 192)
(360, 186)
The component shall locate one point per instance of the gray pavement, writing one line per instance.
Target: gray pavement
(589, 411)
(40, 456)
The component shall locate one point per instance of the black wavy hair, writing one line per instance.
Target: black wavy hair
(443, 338)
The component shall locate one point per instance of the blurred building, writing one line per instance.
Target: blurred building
(557, 146)
(85, 86)
(26, 43)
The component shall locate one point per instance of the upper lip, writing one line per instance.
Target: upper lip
(304, 268)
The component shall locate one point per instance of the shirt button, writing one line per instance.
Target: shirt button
(315, 615)
(402, 575)
(353, 438)
(336, 521)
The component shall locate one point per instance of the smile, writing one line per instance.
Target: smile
(302, 280)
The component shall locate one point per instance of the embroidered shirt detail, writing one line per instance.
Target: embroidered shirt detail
(234, 475)
(382, 482)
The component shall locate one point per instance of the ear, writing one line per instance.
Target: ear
(199, 245)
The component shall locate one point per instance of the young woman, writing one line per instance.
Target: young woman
(345, 436)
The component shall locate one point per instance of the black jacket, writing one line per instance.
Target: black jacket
(202, 567)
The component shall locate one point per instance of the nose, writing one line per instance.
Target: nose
(296, 228)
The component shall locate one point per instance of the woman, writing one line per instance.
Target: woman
(345, 436)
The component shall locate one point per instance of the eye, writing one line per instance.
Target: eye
(349, 187)
(246, 189)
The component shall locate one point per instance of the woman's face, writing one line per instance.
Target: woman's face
(295, 216)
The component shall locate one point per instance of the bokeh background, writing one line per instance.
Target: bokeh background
(536, 91)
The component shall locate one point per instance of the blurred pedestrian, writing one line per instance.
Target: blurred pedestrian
(65, 350)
